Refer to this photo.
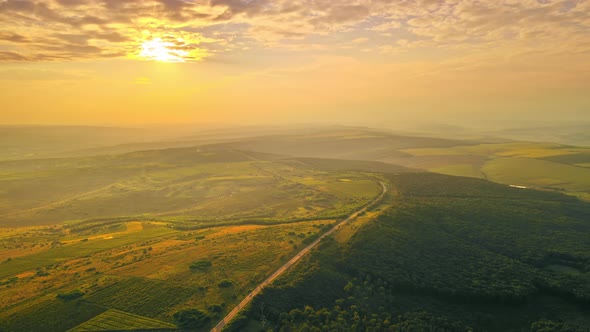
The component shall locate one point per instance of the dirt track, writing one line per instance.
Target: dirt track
(232, 314)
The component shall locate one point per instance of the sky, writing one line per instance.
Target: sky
(385, 62)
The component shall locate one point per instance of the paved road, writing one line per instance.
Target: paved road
(232, 314)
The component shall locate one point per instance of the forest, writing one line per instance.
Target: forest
(450, 254)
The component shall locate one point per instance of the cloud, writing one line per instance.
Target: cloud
(13, 37)
(68, 30)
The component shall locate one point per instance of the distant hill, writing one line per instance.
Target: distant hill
(20, 142)
(196, 186)
(360, 144)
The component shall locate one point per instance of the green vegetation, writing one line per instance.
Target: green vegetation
(118, 320)
(176, 238)
(50, 315)
(150, 277)
(551, 326)
(572, 159)
(452, 253)
(57, 251)
(200, 265)
(538, 173)
(225, 284)
(143, 297)
(539, 165)
(191, 318)
(70, 295)
(188, 186)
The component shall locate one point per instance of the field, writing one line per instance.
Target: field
(142, 296)
(196, 185)
(538, 173)
(48, 314)
(539, 165)
(143, 269)
(113, 319)
(141, 236)
(48, 252)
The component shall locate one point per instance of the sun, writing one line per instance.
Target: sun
(159, 50)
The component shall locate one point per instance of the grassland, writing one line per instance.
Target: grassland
(66, 248)
(538, 165)
(195, 185)
(538, 173)
(147, 273)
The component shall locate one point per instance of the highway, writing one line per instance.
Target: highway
(234, 312)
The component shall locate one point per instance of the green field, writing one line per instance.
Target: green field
(460, 170)
(113, 319)
(49, 315)
(62, 252)
(198, 184)
(142, 296)
(538, 165)
(538, 173)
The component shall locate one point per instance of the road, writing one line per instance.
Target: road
(232, 314)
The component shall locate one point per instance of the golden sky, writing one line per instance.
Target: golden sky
(262, 61)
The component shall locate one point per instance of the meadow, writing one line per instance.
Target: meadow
(545, 166)
(193, 185)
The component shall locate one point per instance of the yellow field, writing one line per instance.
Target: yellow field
(531, 150)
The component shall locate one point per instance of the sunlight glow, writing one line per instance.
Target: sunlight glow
(159, 50)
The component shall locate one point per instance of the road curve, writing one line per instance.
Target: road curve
(232, 314)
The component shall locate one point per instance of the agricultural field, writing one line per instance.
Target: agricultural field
(113, 319)
(538, 165)
(21, 252)
(538, 173)
(149, 278)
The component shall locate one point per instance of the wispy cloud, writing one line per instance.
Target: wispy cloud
(50, 30)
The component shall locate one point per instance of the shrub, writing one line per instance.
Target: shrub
(200, 265)
(70, 295)
(190, 318)
(225, 284)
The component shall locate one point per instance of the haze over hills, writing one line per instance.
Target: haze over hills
(294, 166)
(37, 141)
(163, 229)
